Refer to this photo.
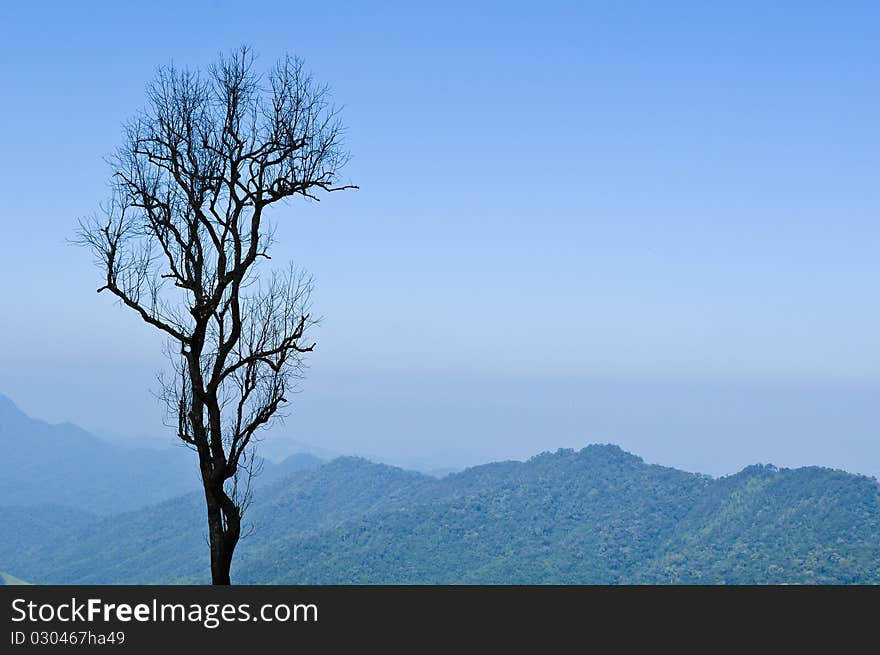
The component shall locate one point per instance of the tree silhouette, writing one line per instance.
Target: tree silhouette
(180, 242)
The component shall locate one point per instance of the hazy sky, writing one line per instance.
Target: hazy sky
(653, 224)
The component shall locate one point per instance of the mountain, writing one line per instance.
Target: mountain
(166, 542)
(588, 517)
(599, 515)
(62, 464)
(602, 516)
(289, 465)
(26, 529)
(774, 526)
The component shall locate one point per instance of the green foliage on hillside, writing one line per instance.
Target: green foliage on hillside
(27, 529)
(602, 516)
(587, 517)
(166, 543)
(766, 526)
(599, 515)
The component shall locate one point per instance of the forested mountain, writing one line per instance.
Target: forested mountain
(166, 542)
(769, 525)
(599, 515)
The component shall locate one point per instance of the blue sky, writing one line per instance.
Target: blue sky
(654, 224)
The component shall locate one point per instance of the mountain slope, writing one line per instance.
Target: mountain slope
(62, 464)
(588, 517)
(27, 529)
(602, 516)
(595, 516)
(65, 465)
(167, 542)
(769, 526)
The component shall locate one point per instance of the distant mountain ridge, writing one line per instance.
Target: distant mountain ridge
(62, 464)
(598, 516)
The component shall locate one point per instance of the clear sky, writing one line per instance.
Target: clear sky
(654, 224)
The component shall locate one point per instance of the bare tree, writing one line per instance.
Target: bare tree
(180, 241)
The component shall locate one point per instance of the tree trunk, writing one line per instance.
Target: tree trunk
(224, 528)
(219, 560)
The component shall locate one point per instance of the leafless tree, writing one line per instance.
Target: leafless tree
(180, 242)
